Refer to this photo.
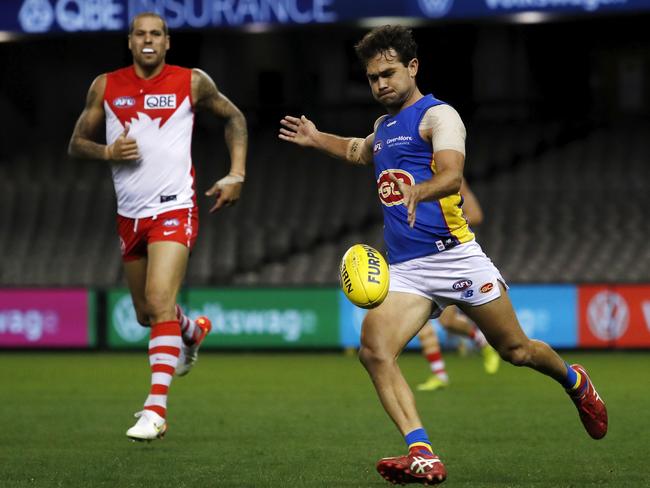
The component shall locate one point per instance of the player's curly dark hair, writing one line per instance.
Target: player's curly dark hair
(381, 39)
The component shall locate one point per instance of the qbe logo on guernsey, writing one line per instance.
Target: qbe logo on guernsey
(157, 102)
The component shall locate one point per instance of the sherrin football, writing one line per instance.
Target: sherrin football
(364, 276)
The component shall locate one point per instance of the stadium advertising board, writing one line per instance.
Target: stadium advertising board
(47, 318)
(614, 316)
(548, 313)
(255, 318)
(43, 16)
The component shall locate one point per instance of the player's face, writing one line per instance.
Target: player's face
(390, 81)
(148, 42)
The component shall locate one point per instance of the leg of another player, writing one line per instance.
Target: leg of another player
(456, 322)
(499, 323)
(431, 351)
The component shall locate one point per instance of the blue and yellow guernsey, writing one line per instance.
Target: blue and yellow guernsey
(399, 149)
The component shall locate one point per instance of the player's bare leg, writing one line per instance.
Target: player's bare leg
(136, 277)
(386, 330)
(166, 265)
(499, 323)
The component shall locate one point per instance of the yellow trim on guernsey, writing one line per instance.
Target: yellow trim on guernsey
(454, 218)
(453, 214)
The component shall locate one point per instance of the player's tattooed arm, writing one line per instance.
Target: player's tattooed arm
(206, 96)
(359, 151)
(83, 141)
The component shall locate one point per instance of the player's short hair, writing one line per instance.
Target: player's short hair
(149, 14)
(381, 39)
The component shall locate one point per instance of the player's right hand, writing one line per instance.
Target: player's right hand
(124, 148)
(301, 131)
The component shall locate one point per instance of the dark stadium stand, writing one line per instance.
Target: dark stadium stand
(557, 210)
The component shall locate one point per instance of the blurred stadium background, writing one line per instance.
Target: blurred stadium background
(555, 97)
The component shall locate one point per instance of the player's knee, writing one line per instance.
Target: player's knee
(373, 357)
(516, 354)
(159, 304)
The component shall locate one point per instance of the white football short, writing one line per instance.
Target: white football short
(462, 274)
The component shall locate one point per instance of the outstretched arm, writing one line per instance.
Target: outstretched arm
(207, 96)
(82, 143)
(303, 132)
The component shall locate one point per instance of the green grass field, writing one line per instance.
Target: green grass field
(302, 420)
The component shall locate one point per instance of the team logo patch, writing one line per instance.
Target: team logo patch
(388, 192)
(171, 223)
(124, 102)
(461, 285)
(486, 288)
(158, 102)
(378, 146)
(167, 198)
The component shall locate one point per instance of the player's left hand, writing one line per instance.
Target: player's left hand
(410, 197)
(226, 190)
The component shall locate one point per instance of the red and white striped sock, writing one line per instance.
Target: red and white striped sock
(479, 339)
(437, 365)
(164, 348)
(188, 326)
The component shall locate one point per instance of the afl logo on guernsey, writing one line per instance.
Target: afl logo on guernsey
(388, 192)
(378, 145)
(124, 102)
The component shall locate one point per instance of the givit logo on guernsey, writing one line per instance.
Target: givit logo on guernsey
(608, 315)
(399, 141)
(124, 102)
(388, 192)
(461, 285)
(158, 102)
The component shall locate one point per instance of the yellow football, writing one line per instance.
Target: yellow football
(364, 276)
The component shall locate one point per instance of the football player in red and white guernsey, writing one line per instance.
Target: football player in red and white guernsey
(147, 110)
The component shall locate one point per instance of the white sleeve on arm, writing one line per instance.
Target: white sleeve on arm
(446, 128)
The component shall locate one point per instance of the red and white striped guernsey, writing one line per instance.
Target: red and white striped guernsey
(159, 111)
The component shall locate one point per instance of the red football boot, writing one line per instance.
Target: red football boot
(591, 407)
(416, 467)
(190, 353)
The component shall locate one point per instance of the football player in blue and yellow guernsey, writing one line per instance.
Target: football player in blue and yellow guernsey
(418, 152)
